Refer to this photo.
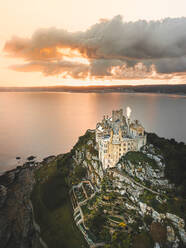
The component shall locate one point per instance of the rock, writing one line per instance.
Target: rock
(170, 234)
(10, 176)
(89, 142)
(95, 158)
(177, 221)
(183, 235)
(143, 207)
(49, 159)
(156, 216)
(156, 245)
(88, 155)
(85, 163)
(3, 195)
(130, 206)
(16, 215)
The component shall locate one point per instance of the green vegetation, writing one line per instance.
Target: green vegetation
(93, 200)
(148, 219)
(175, 160)
(116, 219)
(96, 221)
(174, 154)
(150, 199)
(120, 239)
(85, 209)
(143, 240)
(83, 140)
(50, 199)
(52, 208)
(65, 165)
(177, 205)
(139, 157)
(78, 174)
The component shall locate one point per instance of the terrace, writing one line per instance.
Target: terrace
(79, 194)
(88, 189)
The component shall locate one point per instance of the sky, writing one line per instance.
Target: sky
(92, 42)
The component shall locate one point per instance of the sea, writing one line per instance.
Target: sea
(48, 123)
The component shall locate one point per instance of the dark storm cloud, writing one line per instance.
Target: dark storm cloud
(108, 44)
(171, 65)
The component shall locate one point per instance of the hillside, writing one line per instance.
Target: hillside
(138, 203)
(134, 204)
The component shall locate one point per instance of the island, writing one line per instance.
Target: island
(119, 187)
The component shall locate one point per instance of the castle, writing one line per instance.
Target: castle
(117, 135)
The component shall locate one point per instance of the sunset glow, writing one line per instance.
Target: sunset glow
(93, 45)
(72, 55)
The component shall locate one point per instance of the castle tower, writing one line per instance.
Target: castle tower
(117, 115)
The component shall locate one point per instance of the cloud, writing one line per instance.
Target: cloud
(113, 48)
(72, 69)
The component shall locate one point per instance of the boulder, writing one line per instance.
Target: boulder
(170, 234)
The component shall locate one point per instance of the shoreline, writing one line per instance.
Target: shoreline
(95, 92)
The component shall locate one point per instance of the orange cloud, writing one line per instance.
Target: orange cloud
(110, 49)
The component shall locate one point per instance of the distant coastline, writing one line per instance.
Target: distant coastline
(159, 89)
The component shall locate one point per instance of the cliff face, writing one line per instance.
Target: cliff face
(17, 228)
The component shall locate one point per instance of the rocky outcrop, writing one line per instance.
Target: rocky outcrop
(3, 194)
(17, 229)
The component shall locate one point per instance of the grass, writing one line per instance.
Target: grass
(53, 211)
(136, 157)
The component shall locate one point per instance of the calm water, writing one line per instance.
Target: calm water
(43, 124)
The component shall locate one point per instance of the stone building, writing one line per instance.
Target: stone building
(116, 136)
